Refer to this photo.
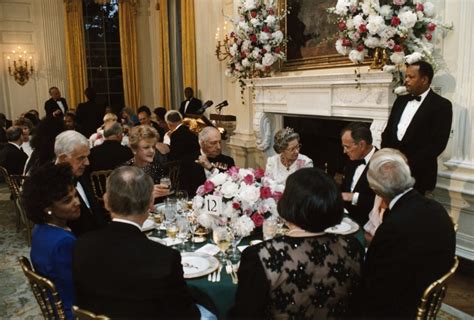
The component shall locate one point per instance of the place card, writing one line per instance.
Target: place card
(210, 249)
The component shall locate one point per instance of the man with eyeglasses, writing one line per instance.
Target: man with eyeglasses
(357, 195)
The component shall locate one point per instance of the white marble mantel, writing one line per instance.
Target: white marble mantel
(336, 95)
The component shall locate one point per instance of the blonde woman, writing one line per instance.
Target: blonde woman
(98, 137)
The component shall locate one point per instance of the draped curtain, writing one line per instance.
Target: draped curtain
(75, 51)
(129, 52)
(188, 44)
(163, 55)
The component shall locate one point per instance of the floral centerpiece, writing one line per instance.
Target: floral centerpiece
(403, 29)
(256, 41)
(248, 197)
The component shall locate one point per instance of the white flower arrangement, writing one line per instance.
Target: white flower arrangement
(248, 197)
(256, 42)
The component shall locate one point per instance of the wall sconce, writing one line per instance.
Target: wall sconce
(21, 69)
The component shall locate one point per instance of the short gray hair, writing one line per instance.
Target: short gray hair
(129, 191)
(67, 141)
(389, 174)
(113, 129)
(173, 116)
(14, 133)
(204, 133)
(283, 137)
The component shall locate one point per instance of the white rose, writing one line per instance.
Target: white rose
(267, 47)
(429, 9)
(205, 220)
(341, 49)
(228, 73)
(245, 63)
(372, 42)
(255, 22)
(250, 4)
(229, 189)
(246, 44)
(358, 20)
(198, 202)
(238, 66)
(401, 90)
(244, 172)
(354, 36)
(389, 68)
(349, 24)
(387, 33)
(397, 57)
(268, 59)
(221, 177)
(414, 57)
(408, 19)
(342, 7)
(244, 26)
(233, 49)
(256, 53)
(243, 226)
(259, 66)
(357, 56)
(277, 36)
(376, 23)
(386, 11)
(249, 193)
(270, 20)
(419, 15)
(227, 210)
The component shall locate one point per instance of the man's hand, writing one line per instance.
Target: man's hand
(57, 113)
(204, 162)
(347, 196)
(160, 190)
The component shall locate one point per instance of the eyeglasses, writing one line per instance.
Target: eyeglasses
(297, 147)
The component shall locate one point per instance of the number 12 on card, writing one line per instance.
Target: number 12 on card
(213, 204)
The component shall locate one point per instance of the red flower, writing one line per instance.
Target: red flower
(265, 192)
(208, 186)
(263, 51)
(431, 26)
(346, 42)
(253, 38)
(342, 26)
(277, 50)
(270, 11)
(398, 48)
(277, 195)
(428, 36)
(395, 21)
(360, 47)
(232, 34)
(259, 173)
(243, 54)
(236, 205)
(420, 7)
(363, 28)
(257, 219)
(266, 29)
(248, 179)
(253, 13)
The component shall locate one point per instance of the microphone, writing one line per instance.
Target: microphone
(222, 105)
(206, 105)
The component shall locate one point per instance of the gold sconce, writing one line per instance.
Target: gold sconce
(21, 69)
(222, 50)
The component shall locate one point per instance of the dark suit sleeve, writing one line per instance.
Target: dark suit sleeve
(252, 295)
(179, 302)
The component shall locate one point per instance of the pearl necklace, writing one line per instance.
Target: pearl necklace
(302, 233)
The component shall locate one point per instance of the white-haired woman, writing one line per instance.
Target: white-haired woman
(288, 158)
(97, 138)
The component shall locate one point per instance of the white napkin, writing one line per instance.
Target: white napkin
(166, 241)
(210, 249)
(242, 248)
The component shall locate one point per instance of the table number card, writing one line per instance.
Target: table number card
(213, 204)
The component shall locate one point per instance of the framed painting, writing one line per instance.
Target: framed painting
(311, 34)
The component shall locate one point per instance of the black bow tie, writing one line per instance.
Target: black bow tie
(411, 97)
(359, 162)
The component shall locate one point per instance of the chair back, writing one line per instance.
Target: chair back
(433, 296)
(172, 169)
(4, 173)
(99, 181)
(44, 291)
(81, 314)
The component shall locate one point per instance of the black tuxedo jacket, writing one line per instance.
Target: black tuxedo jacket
(89, 116)
(109, 155)
(13, 159)
(193, 107)
(413, 247)
(425, 138)
(193, 174)
(183, 143)
(51, 105)
(91, 218)
(119, 272)
(365, 203)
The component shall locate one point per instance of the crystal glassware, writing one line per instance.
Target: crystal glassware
(222, 237)
(183, 230)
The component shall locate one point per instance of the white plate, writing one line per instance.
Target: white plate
(160, 207)
(197, 264)
(347, 226)
(148, 225)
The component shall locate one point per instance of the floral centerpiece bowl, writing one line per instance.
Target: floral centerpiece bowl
(248, 197)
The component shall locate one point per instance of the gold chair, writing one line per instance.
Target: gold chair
(99, 181)
(44, 291)
(81, 314)
(434, 295)
(172, 169)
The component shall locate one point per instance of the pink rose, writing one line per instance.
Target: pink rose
(265, 29)
(263, 51)
(360, 47)
(342, 26)
(200, 191)
(428, 36)
(431, 26)
(259, 173)
(253, 14)
(363, 28)
(398, 48)
(248, 179)
(420, 7)
(399, 2)
(236, 205)
(233, 170)
(277, 195)
(257, 219)
(346, 42)
(253, 38)
(277, 50)
(208, 186)
(395, 21)
(270, 11)
(265, 192)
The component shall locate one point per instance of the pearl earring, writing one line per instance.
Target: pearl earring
(50, 212)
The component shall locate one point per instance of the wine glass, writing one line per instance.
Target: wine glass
(166, 182)
(182, 199)
(183, 230)
(236, 238)
(193, 225)
(222, 236)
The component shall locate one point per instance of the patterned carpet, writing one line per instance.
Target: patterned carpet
(16, 298)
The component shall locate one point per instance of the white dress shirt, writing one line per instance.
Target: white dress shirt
(358, 173)
(127, 222)
(61, 106)
(394, 200)
(82, 194)
(407, 116)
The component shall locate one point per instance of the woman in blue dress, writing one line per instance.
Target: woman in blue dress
(50, 201)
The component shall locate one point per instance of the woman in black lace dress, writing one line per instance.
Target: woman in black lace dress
(306, 274)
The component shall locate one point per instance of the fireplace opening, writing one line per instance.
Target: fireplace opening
(321, 141)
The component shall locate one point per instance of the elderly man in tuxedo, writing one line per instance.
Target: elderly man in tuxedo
(72, 148)
(358, 197)
(197, 170)
(182, 142)
(118, 271)
(419, 125)
(56, 106)
(12, 156)
(413, 246)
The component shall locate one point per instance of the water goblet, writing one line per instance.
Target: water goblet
(222, 236)
(182, 199)
(183, 230)
(193, 225)
(171, 230)
(170, 209)
(236, 238)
